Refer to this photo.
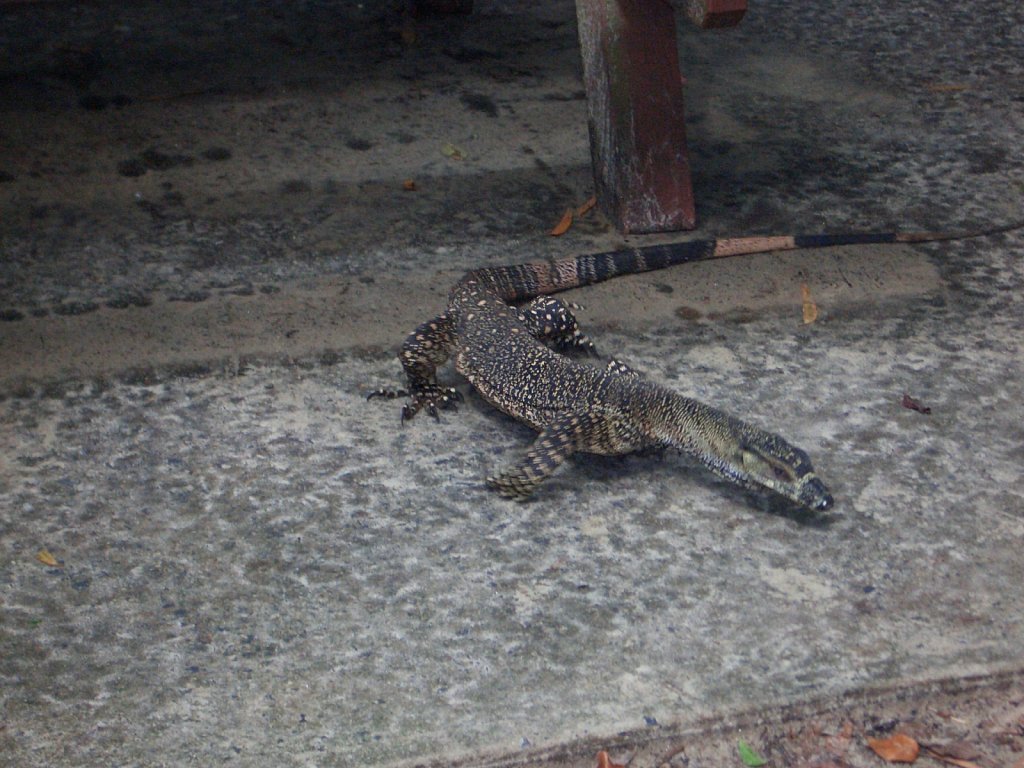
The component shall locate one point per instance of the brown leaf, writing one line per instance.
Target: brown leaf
(603, 761)
(810, 308)
(912, 404)
(898, 748)
(563, 225)
(591, 202)
(44, 557)
(409, 185)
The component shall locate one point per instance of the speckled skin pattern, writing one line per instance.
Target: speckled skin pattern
(513, 358)
(577, 407)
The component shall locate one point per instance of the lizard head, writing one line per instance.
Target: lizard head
(761, 460)
(767, 461)
(741, 452)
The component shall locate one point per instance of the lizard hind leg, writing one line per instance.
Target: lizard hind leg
(552, 322)
(423, 351)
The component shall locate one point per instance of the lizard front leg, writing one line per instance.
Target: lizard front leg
(553, 446)
(556, 442)
(422, 352)
(602, 430)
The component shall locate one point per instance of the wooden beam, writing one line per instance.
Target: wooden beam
(714, 14)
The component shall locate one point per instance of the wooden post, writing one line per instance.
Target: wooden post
(635, 108)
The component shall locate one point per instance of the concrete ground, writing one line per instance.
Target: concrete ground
(208, 258)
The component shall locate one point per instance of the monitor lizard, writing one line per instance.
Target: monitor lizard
(514, 356)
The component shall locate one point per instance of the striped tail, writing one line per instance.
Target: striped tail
(521, 282)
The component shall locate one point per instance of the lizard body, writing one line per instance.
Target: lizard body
(513, 356)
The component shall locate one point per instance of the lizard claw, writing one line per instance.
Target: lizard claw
(433, 399)
(578, 343)
(408, 411)
(389, 394)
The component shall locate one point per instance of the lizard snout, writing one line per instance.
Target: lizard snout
(816, 496)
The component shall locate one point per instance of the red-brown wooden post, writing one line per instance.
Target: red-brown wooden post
(635, 108)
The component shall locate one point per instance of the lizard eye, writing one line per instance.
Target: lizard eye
(766, 467)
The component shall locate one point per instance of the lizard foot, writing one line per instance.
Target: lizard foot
(389, 394)
(577, 342)
(431, 398)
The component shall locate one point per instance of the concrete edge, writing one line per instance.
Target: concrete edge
(729, 726)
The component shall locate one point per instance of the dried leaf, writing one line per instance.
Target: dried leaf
(603, 761)
(591, 202)
(44, 557)
(810, 308)
(409, 185)
(453, 152)
(898, 748)
(749, 757)
(912, 404)
(563, 225)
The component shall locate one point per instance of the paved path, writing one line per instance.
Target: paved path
(257, 566)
